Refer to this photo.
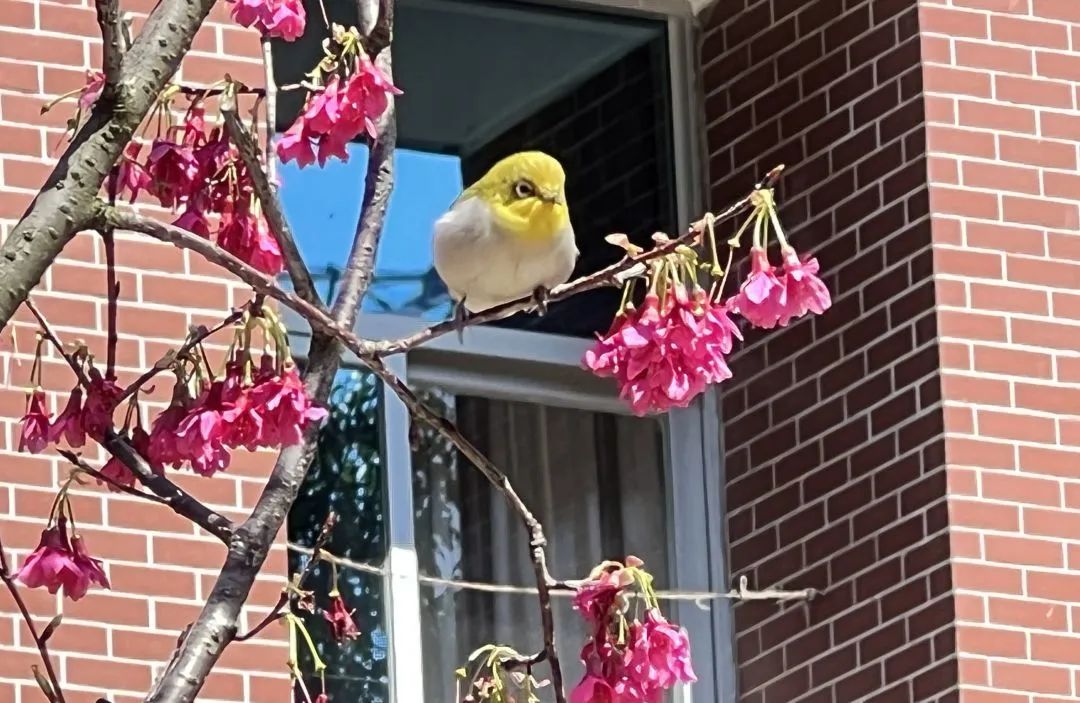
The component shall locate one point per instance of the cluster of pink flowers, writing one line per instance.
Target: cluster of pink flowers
(75, 421)
(285, 19)
(271, 410)
(625, 662)
(62, 562)
(669, 350)
(768, 300)
(666, 352)
(340, 618)
(337, 114)
(201, 172)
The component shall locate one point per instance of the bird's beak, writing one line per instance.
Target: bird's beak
(552, 197)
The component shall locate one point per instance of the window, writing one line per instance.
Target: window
(484, 78)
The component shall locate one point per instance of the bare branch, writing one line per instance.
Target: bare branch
(196, 339)
(112, 37)
(271, 110)
(271, 204)
(82, 466)
(501, 482)
(613, 275)
(9, 581)
(65, 203)
(181, 502)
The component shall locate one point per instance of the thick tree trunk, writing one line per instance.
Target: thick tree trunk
(64, 204)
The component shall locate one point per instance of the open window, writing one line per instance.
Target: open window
(438, 564)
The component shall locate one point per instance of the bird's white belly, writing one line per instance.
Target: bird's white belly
(486, 267)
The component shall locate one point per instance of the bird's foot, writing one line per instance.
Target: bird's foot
(459, 317)
(540, 297)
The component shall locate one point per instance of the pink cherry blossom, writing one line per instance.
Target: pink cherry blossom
(95, 83)
(199, 434)
(595, 598)
(295, 145)
(131, 175)
(762, 298)
(664, 354)
(593, 689)
(68, 424)
(34, 436)
(247, 236)
(59, 563)
(163, 448)
(101, 397)
(193, 220)
(173, 171)
(276, 18)
(287, 409)
(805, 291)
(336, 115)
(116, 472)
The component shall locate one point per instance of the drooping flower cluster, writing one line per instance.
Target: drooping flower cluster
(340, 618)
(199, 173)
(284, 19)
(627, 660)
(249, 406)
(61, 561)
(353, 94)
(666, 351)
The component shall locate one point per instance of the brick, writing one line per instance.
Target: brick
(1042, 35)
(1026, 428)
(1030, 677)
(1001, 177)
(955, 81)
(991, 642)
(1037, 152)
(1008, 299)
(987, 516)
(1027, 614)
(1030, 91)
(1039, 333)
(1021, 550)
(1051, 9)
(1043, 213)
(964, 262)
(1047, 398)
(1015, 240)
(966, 203)
(1054, 125)
(988, 579)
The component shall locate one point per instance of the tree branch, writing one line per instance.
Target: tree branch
(65, 203)
(215, 627)
(39, 640)
(112, 50)
(271, 204)
(501, 482)
(81, 465)
(181, 502)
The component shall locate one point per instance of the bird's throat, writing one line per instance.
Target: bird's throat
(533, 220)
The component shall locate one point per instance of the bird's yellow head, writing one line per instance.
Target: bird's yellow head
(527, 195)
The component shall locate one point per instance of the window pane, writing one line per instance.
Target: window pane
(346, 477)
(595, 480)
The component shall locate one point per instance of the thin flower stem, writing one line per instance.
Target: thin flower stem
(193, 342)
(9, 581)
(271, 109)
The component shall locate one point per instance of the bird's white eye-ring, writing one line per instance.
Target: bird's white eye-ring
(524, 189)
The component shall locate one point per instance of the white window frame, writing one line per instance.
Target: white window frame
(518, 365)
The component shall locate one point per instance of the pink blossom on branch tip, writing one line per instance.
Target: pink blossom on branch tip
(34, 436)
(762, 298)
(60, 562)
(68, 424)
(805, 291)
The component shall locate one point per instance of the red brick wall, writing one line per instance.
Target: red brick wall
(833, 426)
(1002, 85)
(112, 643)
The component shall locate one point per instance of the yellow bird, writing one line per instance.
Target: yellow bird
(508, 235)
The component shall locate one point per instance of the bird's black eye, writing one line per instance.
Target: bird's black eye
(524, 189)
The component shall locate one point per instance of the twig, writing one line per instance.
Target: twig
(501, 482)
(50, 334)
(113, 293)
(91, 471)
(365, 349)
(271, 112)
(278, 612)
(9, 581)
(179, 500)
(200, 336)
(612, 275)
(271, 204)
(113, 44)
